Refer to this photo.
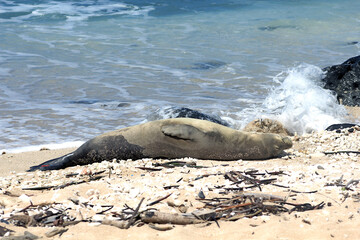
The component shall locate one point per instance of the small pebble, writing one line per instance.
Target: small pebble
(201, 194)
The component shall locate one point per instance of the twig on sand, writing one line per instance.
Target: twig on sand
(172, 164)
(236, 177)
(305, 207)
(351, 182)
(135, 214)
(149, 169)
(64, 185)
(295, 191)
(276, 173)
(159, 200)
(171, 186)
(108, 208)
(342, 151)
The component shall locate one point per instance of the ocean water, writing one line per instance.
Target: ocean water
(70, 70)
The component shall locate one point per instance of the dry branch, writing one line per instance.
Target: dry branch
(163, 218)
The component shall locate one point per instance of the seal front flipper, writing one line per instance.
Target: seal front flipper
(181, 131)
(53, 164)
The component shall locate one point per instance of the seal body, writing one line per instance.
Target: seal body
(173, 138)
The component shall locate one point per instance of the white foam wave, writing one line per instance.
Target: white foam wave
(51, 146)
(74, 11)
(300, 103)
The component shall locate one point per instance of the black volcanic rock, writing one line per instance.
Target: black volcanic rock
(340, 126)
(344, 80)
(183, 112)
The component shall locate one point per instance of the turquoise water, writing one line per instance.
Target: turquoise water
(70, 70)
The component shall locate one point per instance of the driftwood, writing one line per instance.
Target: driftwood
(56, 231)
(119, 224)
(161, 227)
(162, 218)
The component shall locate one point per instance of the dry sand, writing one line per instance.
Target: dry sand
(307, 169)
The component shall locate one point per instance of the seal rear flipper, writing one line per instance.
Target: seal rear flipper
(181, 131)
(53, 164)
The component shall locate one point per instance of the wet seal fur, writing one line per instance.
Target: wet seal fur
(173, 138)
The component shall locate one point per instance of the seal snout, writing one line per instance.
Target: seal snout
(287, 143)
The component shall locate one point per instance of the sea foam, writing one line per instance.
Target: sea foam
(300, 102)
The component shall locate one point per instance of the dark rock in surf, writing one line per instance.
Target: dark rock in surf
(213, 64)
(123, 105)
(344, 80)
(273, 28)
(182, 112)
(85, 101)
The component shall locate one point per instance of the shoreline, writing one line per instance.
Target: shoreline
(353, 116)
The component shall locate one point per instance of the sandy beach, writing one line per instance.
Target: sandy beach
(306, 176)
(73, 70)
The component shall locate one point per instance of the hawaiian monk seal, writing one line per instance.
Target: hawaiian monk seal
(173, 138)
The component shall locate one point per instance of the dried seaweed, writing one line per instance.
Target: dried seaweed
(231, 204)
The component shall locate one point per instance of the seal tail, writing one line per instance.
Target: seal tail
(53, 164)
